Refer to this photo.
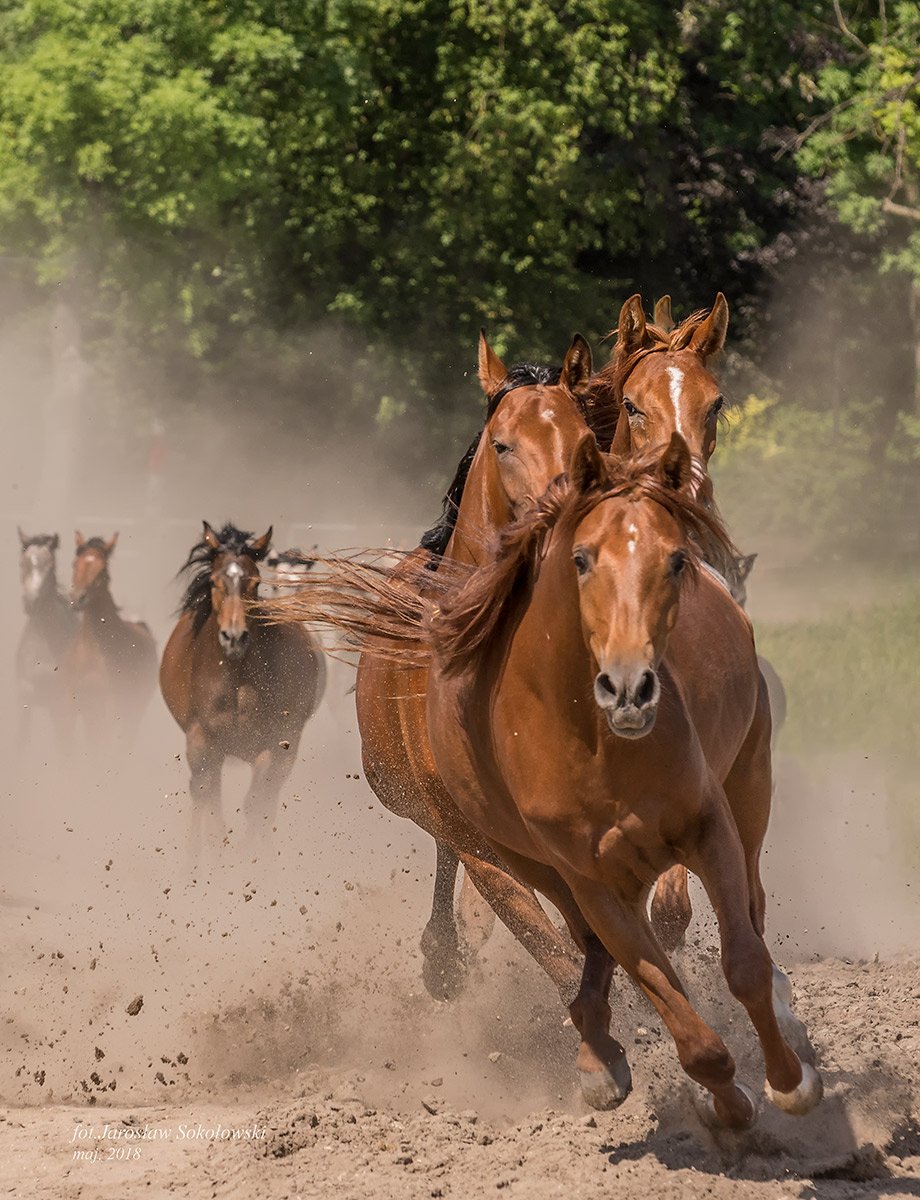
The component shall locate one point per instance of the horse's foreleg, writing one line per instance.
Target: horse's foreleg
(625, 931)
(270, 770)
(443, 968)
(603, 1071)
(205, 815)
(719, 860)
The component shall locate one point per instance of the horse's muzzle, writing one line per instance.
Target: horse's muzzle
(234, 645)
(629, 699)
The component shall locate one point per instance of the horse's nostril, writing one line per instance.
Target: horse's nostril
(605, 684)
(645, 692)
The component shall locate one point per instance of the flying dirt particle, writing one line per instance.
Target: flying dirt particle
(108, 865)
(495, 1056)
(100, 1054)
(39, 1078)
(160, 1078)
(439, 1082)
(303, 910)
(135, 1006)
(92, 964)
(430, 1104)
(285, 745)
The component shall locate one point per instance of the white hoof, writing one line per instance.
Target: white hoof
(804, 1098)
(604, 1090)
(705, 1104)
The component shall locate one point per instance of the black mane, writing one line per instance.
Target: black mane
(197, 596)
(436, 538)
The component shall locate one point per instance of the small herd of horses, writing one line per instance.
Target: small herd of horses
(560, 685)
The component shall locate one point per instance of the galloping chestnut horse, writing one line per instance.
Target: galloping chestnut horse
(112, 662)
(581, 721)
(533, 422)
(50, 627)
(658, 381)
(237, 686)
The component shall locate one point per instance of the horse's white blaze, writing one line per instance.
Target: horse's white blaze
(234, 570)
(633, 539)
(548, 414)
(676, 376)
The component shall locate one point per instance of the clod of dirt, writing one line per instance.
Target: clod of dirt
(135, 1006)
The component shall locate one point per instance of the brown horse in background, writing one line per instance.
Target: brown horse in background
(583, 723)
(237, 686)
(112, 663)
(51, 624)
(658, 380)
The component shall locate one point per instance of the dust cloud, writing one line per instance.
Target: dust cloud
(298, 969)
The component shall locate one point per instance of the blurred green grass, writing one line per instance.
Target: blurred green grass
(853, 679)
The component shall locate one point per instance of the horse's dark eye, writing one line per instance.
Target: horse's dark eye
(717, 407)
(677, 562)
(582, 561)
(631, 409)
(500, 448)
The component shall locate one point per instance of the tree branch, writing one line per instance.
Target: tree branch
(900, 210)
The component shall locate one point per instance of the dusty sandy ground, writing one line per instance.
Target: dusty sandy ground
(282, 995)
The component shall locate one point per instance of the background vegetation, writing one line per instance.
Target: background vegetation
(316, 204)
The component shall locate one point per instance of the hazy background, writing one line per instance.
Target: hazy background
(244, 253)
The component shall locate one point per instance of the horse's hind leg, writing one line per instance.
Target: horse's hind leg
(671, 909)
(475, 919)
(443, 969)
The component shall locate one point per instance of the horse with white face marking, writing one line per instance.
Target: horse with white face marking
(237, 685)
(50, 627)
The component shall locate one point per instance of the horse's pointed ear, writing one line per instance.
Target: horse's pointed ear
(588, 471)
(492, 371)
(631, 328)
(55, 541)
(663, 318)
(709, 338)
(209, 537)
(111, 543)
(675, 467)
(258, 548)
(23, 540)
(746, 565)
(577, 364)
(78, 538)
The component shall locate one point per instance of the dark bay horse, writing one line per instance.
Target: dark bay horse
(112, 664)
(580, 720)
(237, 686)
(51, 624)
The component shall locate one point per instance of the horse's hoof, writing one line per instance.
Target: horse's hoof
(705, 1104)
(803, 1098)
(444, 976)
(608, 1088)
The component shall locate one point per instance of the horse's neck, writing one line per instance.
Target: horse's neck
(52, 611)
(101, 610)
(483, 511)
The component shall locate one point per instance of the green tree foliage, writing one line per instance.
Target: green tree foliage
(865, 141)
(415, 167)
